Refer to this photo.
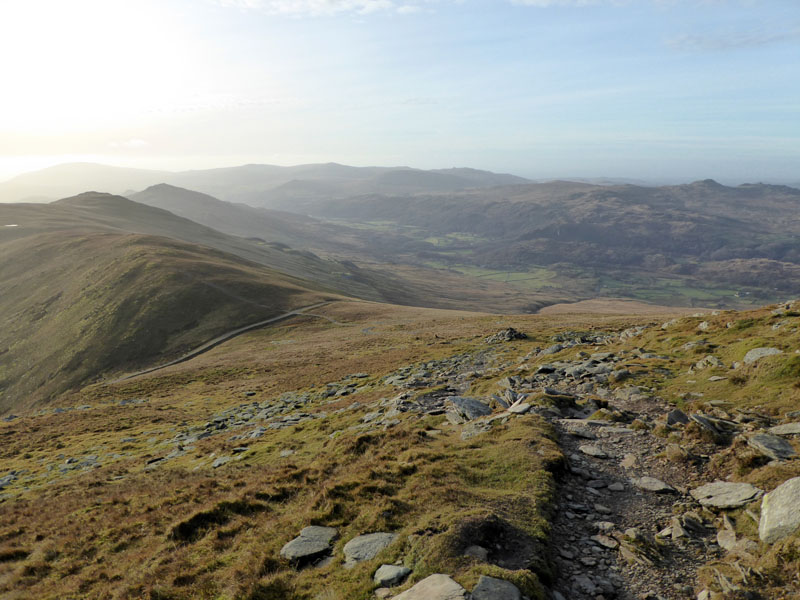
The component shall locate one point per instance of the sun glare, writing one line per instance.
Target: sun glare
(83, 64)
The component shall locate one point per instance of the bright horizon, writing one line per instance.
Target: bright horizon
(658, 90)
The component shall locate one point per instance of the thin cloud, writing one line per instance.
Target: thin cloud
(738, 39)
(567, 3)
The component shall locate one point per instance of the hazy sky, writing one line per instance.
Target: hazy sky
(657, 89)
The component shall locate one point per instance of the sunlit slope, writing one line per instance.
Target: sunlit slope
(100, 212)
(78, 305)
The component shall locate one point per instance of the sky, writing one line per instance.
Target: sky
(658, 90)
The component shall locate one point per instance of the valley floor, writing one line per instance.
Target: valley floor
(464, 458)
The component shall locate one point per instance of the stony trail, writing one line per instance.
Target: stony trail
(605, 528)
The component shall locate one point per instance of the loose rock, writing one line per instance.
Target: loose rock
(724, 494)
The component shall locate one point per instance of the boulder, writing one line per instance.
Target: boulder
(366, 547)
(390, 575)
(490, 588)
(758, 353)
(313, 542)
(435, 587)
(771, 446)
(780, 512)
(725, 494)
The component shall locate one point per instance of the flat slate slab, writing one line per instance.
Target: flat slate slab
(313, 542)
(434, 587)
(780, 512)
(366, 547)
(725, 494)
(771, 446)
(785, 429)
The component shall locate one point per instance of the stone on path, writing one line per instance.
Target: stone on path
(390, 575)
(366, 547)
(725, 494)
(435, 587)
(593, 450)
(771, 446)
(651, 484)
(785, 429)
(490, 588)
(758, 353)
(780, 512)
(312, 543)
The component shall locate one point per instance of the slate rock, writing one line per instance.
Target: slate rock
(313, 542)
(491, 588)
(725, 494)
(771, 446)
(651, 484)
(468, 408)
(780, 512)
(677, 417)
(785, 429)
(519, 408)
(435, 587)
(366, 547)
(592, 450)
(758, 353)
(390, 575)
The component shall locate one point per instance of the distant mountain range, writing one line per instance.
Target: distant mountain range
(259, 185)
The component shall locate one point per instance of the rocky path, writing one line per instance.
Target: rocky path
(625, 527)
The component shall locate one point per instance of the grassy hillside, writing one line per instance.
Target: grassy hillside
(75, 306)
(202, 472)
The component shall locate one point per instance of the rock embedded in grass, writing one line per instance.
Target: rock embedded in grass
(771, 446)
(780, 512)
(390, 575)
(366, 547)
(435, 587)
(491, 588)
(757, 354)
(313, 543)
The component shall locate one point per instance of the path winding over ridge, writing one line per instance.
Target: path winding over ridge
(227, 336)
